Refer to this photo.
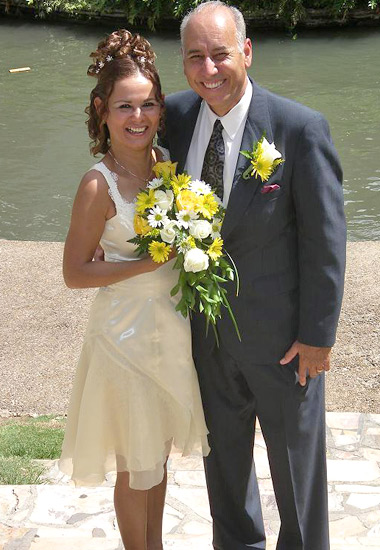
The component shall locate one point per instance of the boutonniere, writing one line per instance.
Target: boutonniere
(264, 159)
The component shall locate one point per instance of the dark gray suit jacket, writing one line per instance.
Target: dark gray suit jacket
(288, 245)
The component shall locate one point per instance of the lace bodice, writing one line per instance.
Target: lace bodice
(119, 229)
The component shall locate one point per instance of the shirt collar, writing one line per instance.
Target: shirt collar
(233, 119)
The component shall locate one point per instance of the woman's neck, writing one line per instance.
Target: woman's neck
(136, 162)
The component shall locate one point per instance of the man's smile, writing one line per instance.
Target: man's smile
(213, 85)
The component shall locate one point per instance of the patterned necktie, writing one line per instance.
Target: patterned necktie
(213, 163)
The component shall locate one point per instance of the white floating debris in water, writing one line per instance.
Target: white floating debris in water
(20, 70)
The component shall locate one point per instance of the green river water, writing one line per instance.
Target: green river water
(43, 139)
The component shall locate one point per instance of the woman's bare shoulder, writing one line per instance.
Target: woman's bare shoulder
(93, 183)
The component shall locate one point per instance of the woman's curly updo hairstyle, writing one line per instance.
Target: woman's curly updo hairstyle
(119, 55)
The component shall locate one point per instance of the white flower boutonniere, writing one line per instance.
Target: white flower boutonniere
(264, 159)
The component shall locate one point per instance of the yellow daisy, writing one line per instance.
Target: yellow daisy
(141, 225)
(179, 182)
(215, 249)
(266, 159)
(145, 200)
(162, 169)
(207, 205)
(262, 168)
(159, 251)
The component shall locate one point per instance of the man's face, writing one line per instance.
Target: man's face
(213, 64)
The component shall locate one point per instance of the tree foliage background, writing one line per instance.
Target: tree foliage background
(151, 12)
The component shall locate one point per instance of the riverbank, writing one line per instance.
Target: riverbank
(43, 324)
(142, 15)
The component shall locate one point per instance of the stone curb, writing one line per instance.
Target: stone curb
(62, 517)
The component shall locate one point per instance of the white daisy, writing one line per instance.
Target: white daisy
(185, 217)
(101, 64)
(157, 217)
(200, 187)
(216, 226)
(155, 183)
(218, 200)
(109, 58)
(185, 245)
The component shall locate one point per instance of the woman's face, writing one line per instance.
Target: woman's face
(133, 113)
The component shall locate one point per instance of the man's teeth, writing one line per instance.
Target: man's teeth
(136, 130)
(211, 85)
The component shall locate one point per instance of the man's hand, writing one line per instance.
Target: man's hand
(311, 359)
(99, 254)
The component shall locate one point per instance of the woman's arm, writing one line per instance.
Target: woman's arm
(92, 207)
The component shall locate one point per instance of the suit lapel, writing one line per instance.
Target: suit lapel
(243, 191)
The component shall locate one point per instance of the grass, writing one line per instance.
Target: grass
(22, 441)
(18, 470)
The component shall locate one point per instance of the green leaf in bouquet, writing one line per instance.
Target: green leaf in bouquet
(188, 295)
(208, 310)
(179, 262)
(142, 243)
(235, 273)
(219, 278)
(175, 289)
(192, 278)
(246, 154)
(135, 240)
(182, 278)
(193, 300)
(211, 299)
(201, 289)
(182, 307)
(216, 334)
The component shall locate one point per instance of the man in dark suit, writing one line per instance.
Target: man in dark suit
(287, 237)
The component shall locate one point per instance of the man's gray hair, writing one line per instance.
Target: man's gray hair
(241, 32)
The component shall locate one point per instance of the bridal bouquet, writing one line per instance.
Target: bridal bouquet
(177, 213)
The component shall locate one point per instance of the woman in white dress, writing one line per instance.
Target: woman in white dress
(136, 391)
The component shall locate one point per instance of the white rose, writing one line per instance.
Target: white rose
(269, 152)
(200, 229)
(164, 199)
(168, 232)
(195, 260)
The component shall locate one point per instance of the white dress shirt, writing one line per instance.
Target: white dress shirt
(233, 127)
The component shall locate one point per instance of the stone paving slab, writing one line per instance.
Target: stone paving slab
(59, 516)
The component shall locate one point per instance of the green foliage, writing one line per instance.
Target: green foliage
(203, 291)
(152, 12)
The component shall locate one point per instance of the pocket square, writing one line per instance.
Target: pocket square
(269, 188)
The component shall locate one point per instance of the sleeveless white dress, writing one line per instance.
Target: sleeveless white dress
(136, 389)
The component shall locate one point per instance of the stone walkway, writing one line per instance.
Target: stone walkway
(60, 517)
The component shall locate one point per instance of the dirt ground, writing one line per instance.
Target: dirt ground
(43, 322)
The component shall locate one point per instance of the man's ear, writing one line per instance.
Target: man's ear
(247, 52)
